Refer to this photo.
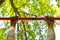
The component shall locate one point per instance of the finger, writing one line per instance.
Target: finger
(49, 18)
(14, 18)
(46, 18)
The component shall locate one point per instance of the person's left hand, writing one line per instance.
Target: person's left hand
(14, 20)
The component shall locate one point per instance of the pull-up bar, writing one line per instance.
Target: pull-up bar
(27, 18)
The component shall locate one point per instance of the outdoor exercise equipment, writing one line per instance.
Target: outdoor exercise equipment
(41, 18)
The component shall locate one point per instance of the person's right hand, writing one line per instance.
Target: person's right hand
(49, 20)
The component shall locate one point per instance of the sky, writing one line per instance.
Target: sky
(57, 28)
(57, 32)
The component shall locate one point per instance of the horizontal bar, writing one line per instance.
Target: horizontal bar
(28, 18)
(31, 18)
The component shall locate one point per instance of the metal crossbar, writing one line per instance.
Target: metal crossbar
(1, 18)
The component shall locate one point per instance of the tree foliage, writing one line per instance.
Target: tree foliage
(29, 30)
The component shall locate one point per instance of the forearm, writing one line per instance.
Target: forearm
(51, 33)
(12, 26)
(50, 25)
(11, 34)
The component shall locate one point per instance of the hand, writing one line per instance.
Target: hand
(49, 20)
(14, 20)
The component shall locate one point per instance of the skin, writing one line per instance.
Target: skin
(51, 33)
(11, 30)
(49, 20)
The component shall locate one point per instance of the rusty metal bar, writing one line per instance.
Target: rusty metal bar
(27, 18)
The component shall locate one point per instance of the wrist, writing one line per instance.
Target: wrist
(50, 26)
(13, 25)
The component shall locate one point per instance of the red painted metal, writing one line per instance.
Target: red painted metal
(28, 18)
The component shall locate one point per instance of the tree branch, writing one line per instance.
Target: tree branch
(15, 10)
(1, 2)
(30, 14)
